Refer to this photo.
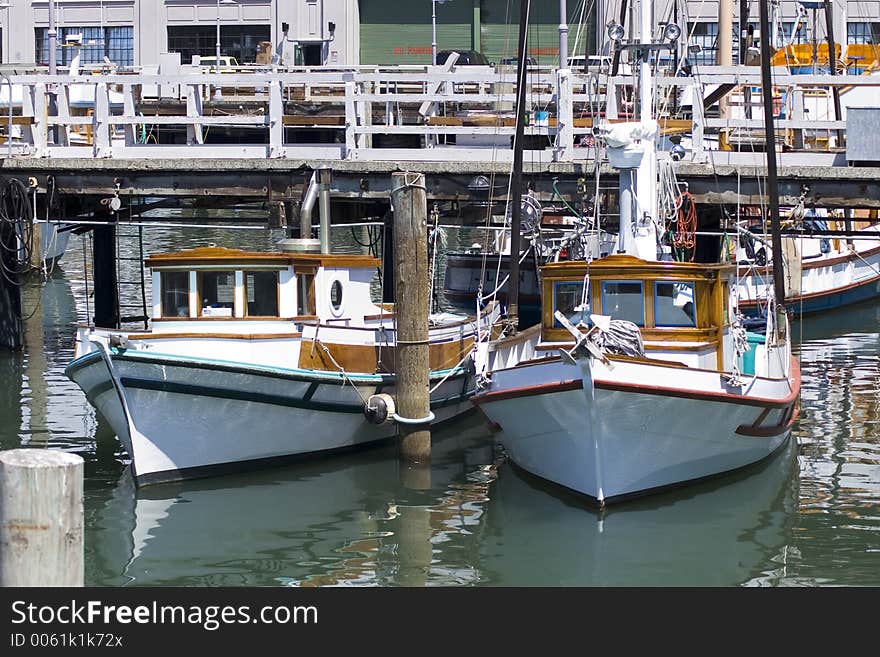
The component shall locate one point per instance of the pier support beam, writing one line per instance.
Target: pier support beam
(41, 518)
(408, 197)
(106, 286)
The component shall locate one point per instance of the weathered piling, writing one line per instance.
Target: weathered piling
(41, 518)
(408, 197)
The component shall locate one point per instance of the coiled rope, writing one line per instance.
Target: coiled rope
(16, 231)
(684, 238)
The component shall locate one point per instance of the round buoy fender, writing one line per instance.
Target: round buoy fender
(379, 409)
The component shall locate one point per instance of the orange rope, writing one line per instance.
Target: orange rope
(686, 227)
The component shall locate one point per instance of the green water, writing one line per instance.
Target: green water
(808, 516)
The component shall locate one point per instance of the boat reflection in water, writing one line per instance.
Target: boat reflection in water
(721, 532)
(357, 519)
(362, 520)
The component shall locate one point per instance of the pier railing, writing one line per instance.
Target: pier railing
(398, 114)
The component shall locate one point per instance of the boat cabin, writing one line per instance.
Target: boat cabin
(315, 311)
(206, 284)
(680, 308)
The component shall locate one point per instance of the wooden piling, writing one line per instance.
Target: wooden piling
(106, 285)
(408, 198)
(41, 518)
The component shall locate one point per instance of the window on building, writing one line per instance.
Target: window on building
(239, 41)
(261, 289)
(217, 292)
(794, 33)
(705, 35)
(863, 33)
(114, 43)
(175, 294)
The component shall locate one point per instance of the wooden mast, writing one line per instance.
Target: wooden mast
(515, 195)
(770, 147)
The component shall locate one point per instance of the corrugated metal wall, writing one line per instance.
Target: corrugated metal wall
(399, 31)
(499, 30)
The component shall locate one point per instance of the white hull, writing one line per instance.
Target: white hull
(182, 417)
(642, 427)
(824, 281)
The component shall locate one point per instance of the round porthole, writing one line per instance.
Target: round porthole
(336, 298)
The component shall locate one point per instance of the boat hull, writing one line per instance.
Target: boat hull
(624, 438)
(827, 282)
(184, 418)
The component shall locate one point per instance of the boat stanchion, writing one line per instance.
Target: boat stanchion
(413, 413)
(41, 518)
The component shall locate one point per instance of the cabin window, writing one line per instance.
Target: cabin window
(674, 304)
(624, 300)
(217, 292)
(305, 294)
(568, 298)
(336, 297)
(261, 290)
(175, 293)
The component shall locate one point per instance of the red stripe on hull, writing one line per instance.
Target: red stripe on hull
(684, 393)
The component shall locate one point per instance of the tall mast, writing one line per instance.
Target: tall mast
(515, 196)
(770, 147)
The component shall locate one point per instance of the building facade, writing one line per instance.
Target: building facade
(351, 32)
(137, 32)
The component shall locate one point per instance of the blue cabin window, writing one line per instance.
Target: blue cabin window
(624, 300)
(674, 304)
(568, 298)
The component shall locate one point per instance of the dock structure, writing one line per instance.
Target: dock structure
(165, 136)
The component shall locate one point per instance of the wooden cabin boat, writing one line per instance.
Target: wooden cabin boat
(690, 397)
(253, 357)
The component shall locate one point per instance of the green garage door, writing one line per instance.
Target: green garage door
(399, 31)
(499, 31)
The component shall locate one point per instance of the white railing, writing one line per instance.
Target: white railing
(379, 115)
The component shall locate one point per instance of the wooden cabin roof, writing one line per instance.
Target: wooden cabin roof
(625, 266)
(218, 255)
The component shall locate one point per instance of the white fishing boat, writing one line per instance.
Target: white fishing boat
(253, 357)
(821, 274)
(656, 383)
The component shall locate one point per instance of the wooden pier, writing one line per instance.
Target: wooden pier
(165, 136)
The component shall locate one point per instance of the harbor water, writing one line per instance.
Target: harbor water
(808, 516)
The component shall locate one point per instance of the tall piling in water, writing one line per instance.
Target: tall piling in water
(41, 518)
(106, 290)
(408, 198)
